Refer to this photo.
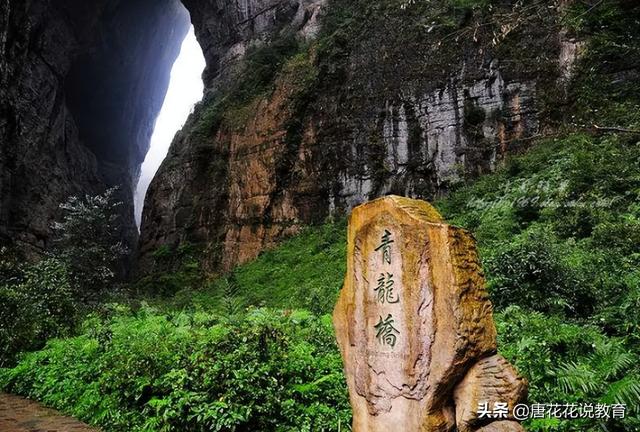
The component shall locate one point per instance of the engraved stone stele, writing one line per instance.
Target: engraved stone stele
(412, 319)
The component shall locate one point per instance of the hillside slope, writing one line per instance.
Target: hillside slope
(563, 278)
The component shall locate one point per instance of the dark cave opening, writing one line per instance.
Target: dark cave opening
(116, 86)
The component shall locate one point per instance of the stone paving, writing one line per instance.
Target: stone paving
(18, 414)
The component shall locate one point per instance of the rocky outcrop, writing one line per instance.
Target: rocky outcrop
(216, 187)
(217, 192)
(227, 29)
(377, 99)
(490, 380)
(415, 325)
(81, 84)
(392, 103)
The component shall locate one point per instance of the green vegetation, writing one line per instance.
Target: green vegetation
(146, 371)
(256, 76)
(207, 360)
(36, 303)
(558, 232)
(46, 299)
(317, 255)
(88, 241)
(174, 270)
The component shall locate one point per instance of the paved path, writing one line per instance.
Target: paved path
(21, 415)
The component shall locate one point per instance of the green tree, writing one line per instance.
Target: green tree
(88, 240)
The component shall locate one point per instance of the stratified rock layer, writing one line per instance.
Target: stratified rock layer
(391, 109)
(414, 318)
(398, 111)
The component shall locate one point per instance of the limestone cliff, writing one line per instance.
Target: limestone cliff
(312, 107)
(389, 97)
(81, 84)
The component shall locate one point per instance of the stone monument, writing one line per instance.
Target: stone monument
(415, 325)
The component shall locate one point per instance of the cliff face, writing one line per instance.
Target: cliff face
(81, 84)
(226, 29)
(387, 99)
(313, 106)
(201, 192)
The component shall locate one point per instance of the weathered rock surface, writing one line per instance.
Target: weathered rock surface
(400, 114)
(394, 111)
(227, 29)
(193, 201)
(81, 84)
(413, 318)
(490, 380)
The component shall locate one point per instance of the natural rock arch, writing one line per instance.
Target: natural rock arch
(81, 84)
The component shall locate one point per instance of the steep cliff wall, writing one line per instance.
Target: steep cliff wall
(227, 29)
(189, 200)
(81, 84)
(391, 97)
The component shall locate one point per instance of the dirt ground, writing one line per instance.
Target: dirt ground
(22, 415)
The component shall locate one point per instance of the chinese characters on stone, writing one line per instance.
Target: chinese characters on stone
(385, 247)
(386, 333)
(385, 289)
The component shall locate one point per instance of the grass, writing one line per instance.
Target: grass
(305, 272)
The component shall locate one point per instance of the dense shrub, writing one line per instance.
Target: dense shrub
(534, 270)
(570, 363)
(265, 371)
(36, 304)
(44, 299)
(557, 227)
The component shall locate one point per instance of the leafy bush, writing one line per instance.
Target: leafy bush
(35, 305)
(573, 333)
(571, 363)
(266, 371)
(533, 271)
(45, 299)
(557, 227)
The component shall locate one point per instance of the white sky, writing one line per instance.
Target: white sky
(185, 90)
